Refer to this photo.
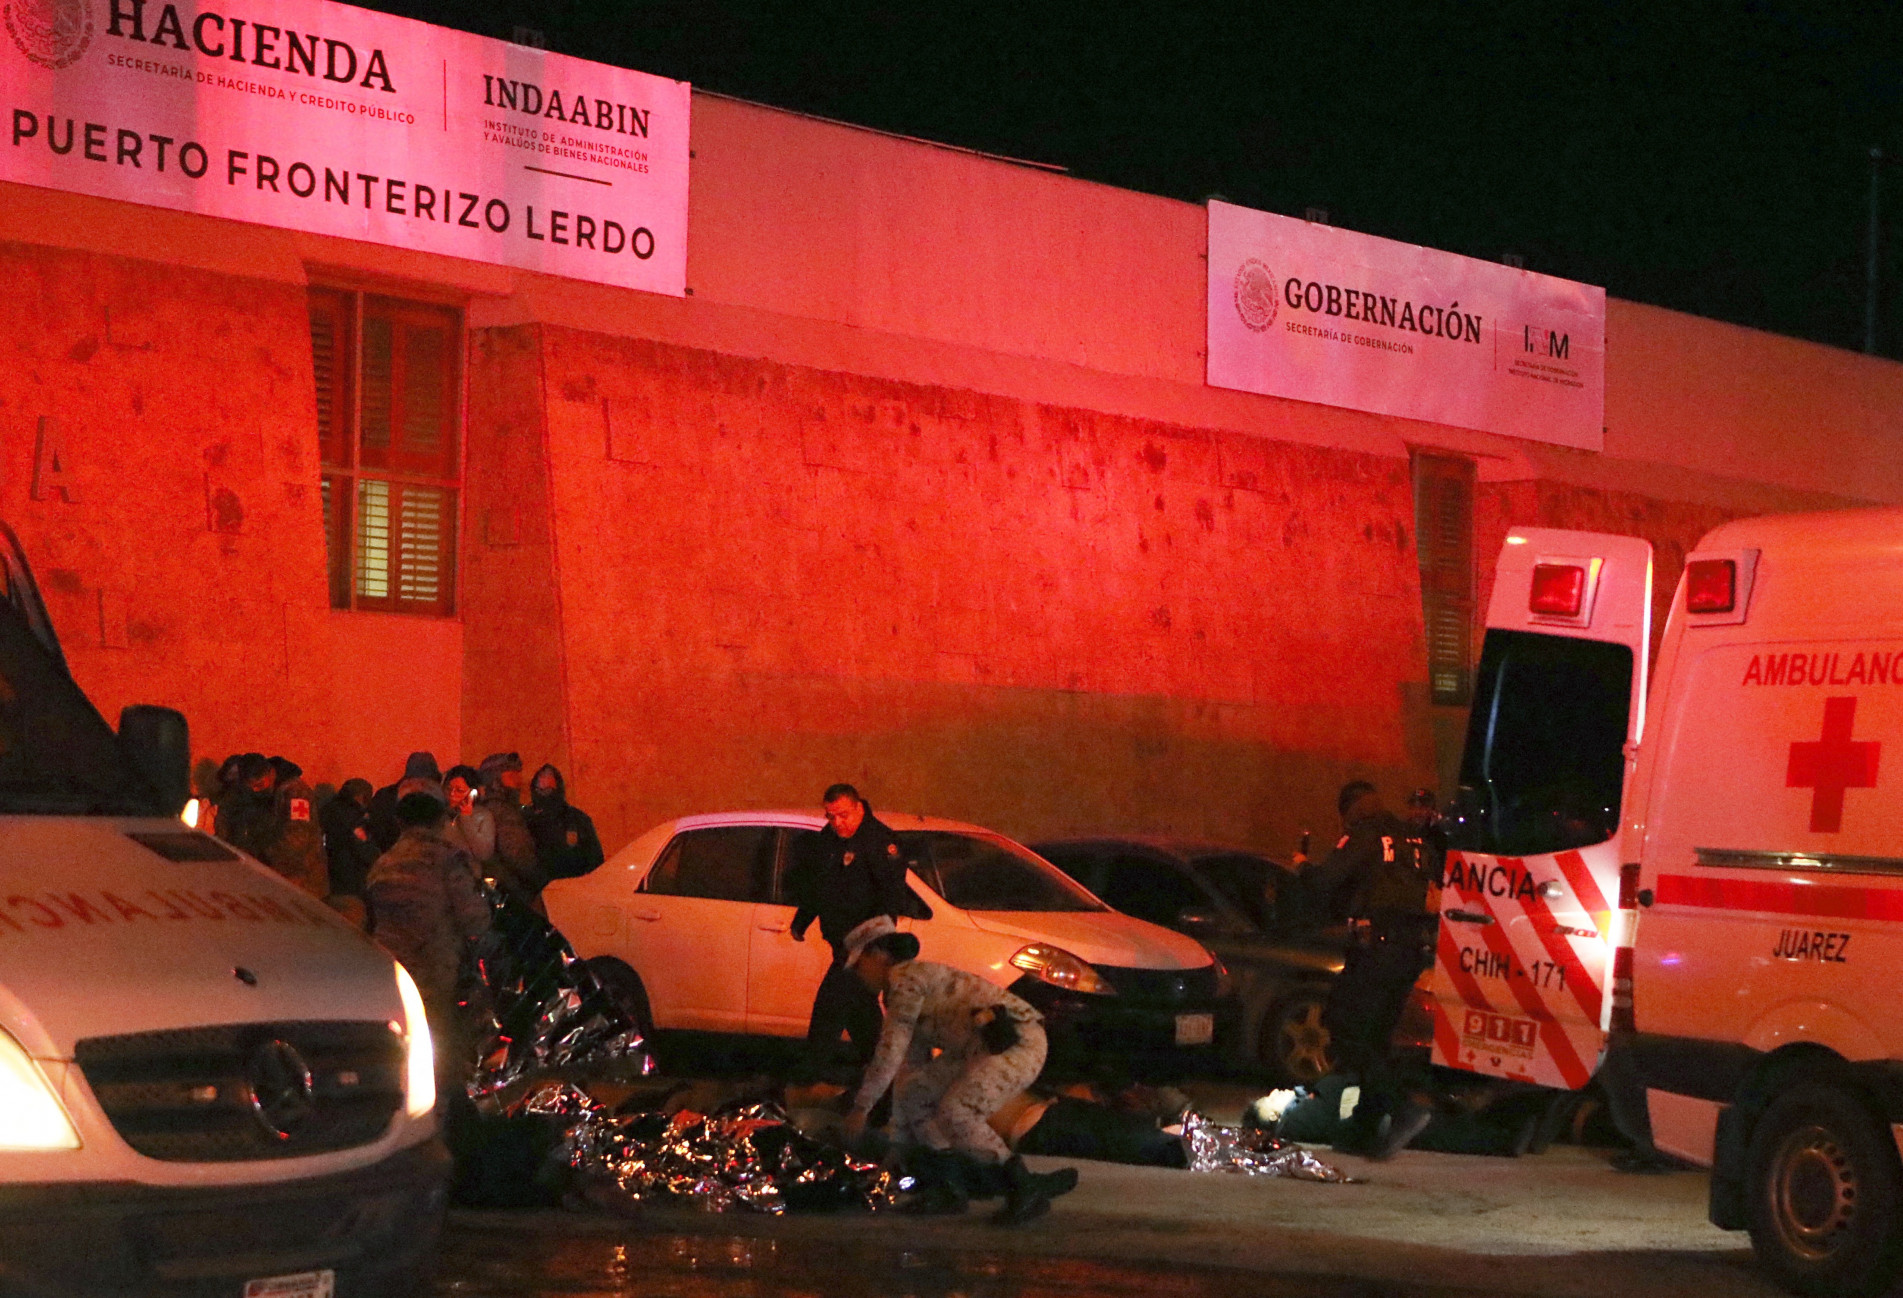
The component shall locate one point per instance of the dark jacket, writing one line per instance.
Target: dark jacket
(429, 907)
(516, 868)
(381, 819)
(348, 846)
(247, 821)
(845, 882)
(1370, 874)
(566, 845)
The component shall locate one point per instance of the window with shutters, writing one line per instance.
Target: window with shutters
(1443, 532)
(388, 393)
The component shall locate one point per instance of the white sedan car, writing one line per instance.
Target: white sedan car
(691, 924)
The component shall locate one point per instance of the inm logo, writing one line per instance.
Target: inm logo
(52, 33)
(1554, 344)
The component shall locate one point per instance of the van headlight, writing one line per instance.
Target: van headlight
(31, 1116)
(419, 1061)
(1059, 968)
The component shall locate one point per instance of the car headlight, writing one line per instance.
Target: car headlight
(30, 1114)
(1059, 968)
(419, 1054)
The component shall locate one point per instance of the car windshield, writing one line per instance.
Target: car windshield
(988, 872)
(1544, 763)
(57, 754)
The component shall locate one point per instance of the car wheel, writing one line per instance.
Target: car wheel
(624, 987)
(1295, 1042)
(1823, 1193)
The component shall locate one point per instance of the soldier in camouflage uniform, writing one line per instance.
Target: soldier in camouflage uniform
(944, 1102)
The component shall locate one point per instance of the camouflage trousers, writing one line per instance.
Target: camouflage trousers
(945, 1103)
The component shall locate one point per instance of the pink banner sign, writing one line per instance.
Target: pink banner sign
(330, 119)
(1302, 310)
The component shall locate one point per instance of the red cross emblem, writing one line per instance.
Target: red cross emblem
(1832, 764)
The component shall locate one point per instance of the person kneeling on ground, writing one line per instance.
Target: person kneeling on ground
(990, 1045)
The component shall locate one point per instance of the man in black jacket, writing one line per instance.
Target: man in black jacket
(1374, 881)
(854, 871)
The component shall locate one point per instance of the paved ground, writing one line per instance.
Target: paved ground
(1562, 1224)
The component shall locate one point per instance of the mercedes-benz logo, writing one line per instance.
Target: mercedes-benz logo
(278, 1084)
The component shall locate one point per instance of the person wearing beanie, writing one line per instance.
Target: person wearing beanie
(566, 845)
(347, 845)
(384, 826)
(428, 909)
(296, 850)
(246, 811)
(515, 867)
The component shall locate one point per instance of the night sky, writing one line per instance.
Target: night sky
(1708, 157)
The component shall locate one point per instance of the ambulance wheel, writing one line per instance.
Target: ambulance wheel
(1824, 1188)
(1295, 1042)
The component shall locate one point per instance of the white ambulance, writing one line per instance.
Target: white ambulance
(1733, 951)
(209, 1084)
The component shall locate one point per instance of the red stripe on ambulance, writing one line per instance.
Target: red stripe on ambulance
(1778, 897)
(1559, 1046)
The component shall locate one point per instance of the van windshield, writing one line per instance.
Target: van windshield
(58, 757)
(1544, 764)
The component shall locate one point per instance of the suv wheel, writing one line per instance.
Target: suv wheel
(1823, 1191)
(1295, 1041)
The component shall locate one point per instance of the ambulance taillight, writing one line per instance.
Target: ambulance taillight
(1711, 586)
(1559, 590)
(1624, 924)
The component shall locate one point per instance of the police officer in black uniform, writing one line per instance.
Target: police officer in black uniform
(852, 871)
(1373, 881)
(1428, 834)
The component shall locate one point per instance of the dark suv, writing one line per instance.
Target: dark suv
(1246, 908)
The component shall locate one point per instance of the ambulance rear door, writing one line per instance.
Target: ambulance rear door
(1523, 962)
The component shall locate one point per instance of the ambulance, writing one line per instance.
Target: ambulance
(209, 1083)
(1700, 902)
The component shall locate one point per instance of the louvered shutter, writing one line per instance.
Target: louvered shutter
(1443, 526)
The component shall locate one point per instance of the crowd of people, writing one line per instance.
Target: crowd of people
(404, 862)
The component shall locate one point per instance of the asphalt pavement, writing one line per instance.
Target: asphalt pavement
(1562, 1224)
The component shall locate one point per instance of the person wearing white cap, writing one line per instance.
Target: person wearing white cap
(990, 1046)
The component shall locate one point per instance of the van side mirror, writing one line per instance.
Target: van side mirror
(158, 743)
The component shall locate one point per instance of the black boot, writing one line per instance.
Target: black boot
(982, 1178)
(1030, 1194)
(939, 1188)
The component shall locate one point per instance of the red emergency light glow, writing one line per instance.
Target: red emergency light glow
(1559, 590)
(1711, 586)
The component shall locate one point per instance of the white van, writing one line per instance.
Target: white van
(209, 1083)
(1736, 957)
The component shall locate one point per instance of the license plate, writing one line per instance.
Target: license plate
(1195, 1029)
(305, 1284)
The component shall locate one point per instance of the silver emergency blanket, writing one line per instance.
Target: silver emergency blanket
(1252, 1151)
(539, 1010)
(746, 1157)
